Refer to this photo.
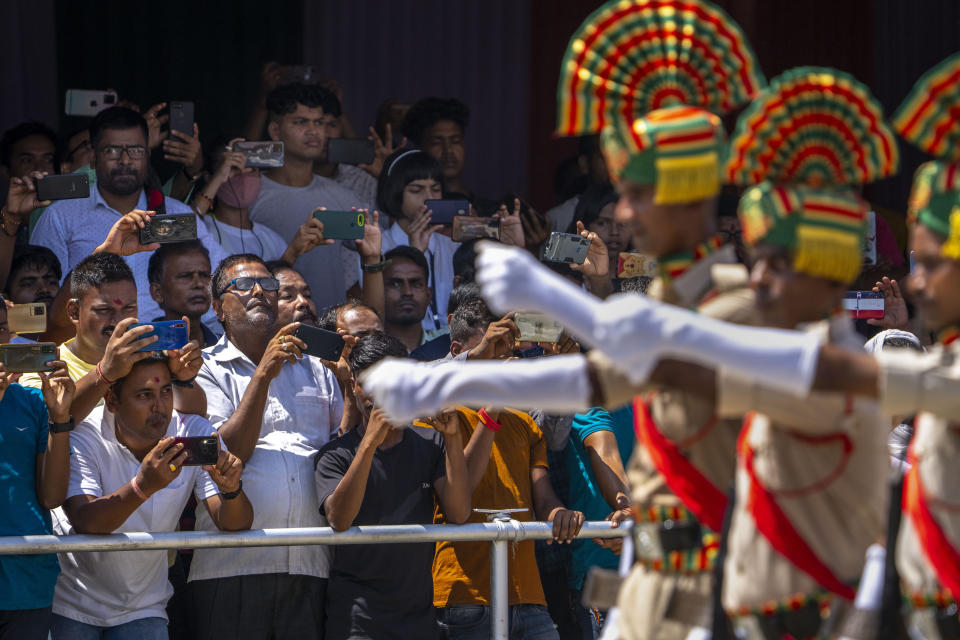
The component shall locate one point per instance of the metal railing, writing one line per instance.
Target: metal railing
(501, 531)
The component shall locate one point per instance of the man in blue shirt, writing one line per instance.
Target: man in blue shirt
(599, 443)
(35, 427)
(74, 228)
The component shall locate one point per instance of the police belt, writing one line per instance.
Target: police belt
(655, 540)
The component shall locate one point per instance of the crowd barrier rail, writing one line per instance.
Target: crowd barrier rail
(500, 532)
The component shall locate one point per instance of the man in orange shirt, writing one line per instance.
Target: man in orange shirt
(514, 479)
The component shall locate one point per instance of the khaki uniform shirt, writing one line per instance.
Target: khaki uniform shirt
(717, 287)
(909, 383)
(836, 501)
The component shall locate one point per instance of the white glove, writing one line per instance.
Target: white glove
(406, 389)
(635, 332)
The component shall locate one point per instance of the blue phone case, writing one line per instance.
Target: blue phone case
(171, 334)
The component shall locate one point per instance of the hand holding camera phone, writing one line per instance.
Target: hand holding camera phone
(537, 327)
(323, 344)
(864, 304)
(169, 228)
(181, 117)
(341, 225)
(71, 185)
(171, 334)
(201, 450)
(444, 211)
(28, 358)
(566, 247)
(265, 154)
(471, 228)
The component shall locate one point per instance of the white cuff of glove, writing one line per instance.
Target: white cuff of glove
(406, 390)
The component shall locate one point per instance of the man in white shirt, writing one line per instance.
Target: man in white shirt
(274, 408)
(127, 473)
(289, 194)
(72, 229)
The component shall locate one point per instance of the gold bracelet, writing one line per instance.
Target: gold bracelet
(3, 223)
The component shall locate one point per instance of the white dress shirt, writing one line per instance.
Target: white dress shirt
(72, 229)
(439, 254)
(304, 406)
(107, 589)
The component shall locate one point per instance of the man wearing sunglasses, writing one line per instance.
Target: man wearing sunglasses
(74, 228)
(274, 409)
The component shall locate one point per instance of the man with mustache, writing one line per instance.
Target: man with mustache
(74, 228)
(127, 473)
(407, 295)
(35, 276)
(179, 277)
(274, 409)
(102, 309)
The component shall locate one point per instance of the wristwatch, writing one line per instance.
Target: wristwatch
(61, 427)
(232, 494)
(378, 267)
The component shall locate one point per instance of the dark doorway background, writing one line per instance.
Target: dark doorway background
(500, 56)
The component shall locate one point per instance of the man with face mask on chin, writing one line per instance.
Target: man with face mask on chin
(74, 228)
(226, 201)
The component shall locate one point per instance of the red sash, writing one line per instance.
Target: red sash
(698, 494)
(941, 555)
(773, 523)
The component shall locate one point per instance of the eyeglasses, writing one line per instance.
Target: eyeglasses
(114, 151)
(247, 283)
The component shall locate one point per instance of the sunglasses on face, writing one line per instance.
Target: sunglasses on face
(247, 284)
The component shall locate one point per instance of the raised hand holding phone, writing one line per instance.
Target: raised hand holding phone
(185, 149)
(58, 390)
(6, 379)
(124, 349)
(22, 197)
(382, 148)
(895, 313)
(123, 239)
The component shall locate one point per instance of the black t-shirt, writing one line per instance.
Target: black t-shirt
(384, 590)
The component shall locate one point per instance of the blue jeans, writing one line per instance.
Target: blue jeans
(142, 629)
(472, 622)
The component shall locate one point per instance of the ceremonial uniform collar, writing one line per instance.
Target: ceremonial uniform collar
(686, 285)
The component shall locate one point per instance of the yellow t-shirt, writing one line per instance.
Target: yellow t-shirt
(76, 367)
(461, 570)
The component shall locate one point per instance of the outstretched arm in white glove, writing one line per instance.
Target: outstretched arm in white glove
(406, 389)
(635, 331)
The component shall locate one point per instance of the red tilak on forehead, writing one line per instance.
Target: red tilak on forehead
(117, 301)
(155, 379)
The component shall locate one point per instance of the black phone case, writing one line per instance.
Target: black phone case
(444, 211)
(350, 151)
(201, 450)
(72, 185)
(323, 344)
(181, 117)
(170, 227)
(28, 358)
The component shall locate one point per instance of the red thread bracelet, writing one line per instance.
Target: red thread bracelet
(489, 422)
(104, 379)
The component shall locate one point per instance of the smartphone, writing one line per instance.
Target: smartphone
(201, 450)
(536, 327)
(870, 240)
(323, 344)
(181, 117)
(81, 102)
(171, 334)
(566, 247)
(864, 304)
(349, 151)
(444, 211)
(261, 155)
(27, 318)
(71, 185)
(169, 228)
(532, 352)
(471, 228)
(341, 225)
(631, 265)
(304, 73)
(28, 358)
